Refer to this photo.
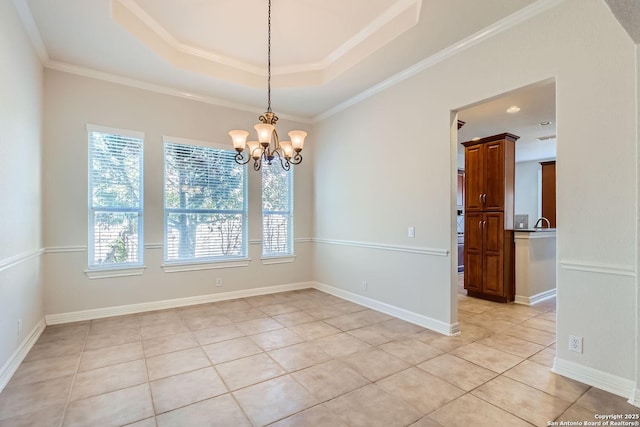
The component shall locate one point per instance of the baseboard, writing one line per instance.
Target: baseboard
(9, 368)
(596, 378)
(635, 397)
(98, 313)
(535, 299)
(401, 313)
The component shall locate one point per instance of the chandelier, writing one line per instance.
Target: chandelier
(268, 147)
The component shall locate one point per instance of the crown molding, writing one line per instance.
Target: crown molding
(32, 30)
(166, 90)
(492, 30)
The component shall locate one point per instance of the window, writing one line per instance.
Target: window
(277, 210)
(205, 203)
(115, 197)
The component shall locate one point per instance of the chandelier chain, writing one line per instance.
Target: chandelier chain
(269, 61)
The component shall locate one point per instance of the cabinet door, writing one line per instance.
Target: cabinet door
(474, 177)
(493, 256)
(494, 176)
(549, 192)
(473, 237)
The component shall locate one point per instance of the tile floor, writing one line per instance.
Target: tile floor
(301, 358)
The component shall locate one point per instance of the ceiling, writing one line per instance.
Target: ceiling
(325, 53)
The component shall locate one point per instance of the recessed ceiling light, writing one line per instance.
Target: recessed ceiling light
(545, 123)
(513, 109)
(546, 138)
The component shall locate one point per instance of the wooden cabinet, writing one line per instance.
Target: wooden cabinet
(549, 192)
(489, 265)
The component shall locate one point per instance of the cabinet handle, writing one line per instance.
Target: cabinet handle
(484, 198)
(484, 224)
(480, 197)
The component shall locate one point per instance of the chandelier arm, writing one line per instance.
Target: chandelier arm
(239, 158)
(296, 159)
(284, 162)
(257, 164)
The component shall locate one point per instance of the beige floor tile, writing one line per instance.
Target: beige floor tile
(473, 331)
(218, 334)
(318, 416)
(276, 339)
(59, 348)
(577, 413)
(531, 334)
(157, 330)
(28, 398)
(420, 389)
(112, 338)
(231, 350)
(299, 356)
(550, 315)
(157, 346)
(47, 417)
(231, 306)
(322, 312)
(600, 401)
(158, 317)
(94, 359)
(177, 362)
(295, 318)
(541, 377)
(397, 328)
(329, 379)
(184, 389)
(375, 334)
(273, 400)
(257, 326)
(109, 378)
(101, 326)
(76, 331)
(44, 369)
(458, 372)
(522, 400)
(544, 357)
(371, 406)
(244, 315)
(112, 409)
(487, 321)
(541, 324)
(263, 300)
(426, 336)
(358, 319)
(314, 330)
(470, 411)
(222, 411)
(249, 370)
(487, 357)
(147, 422)
(425, 422)
(274, 310)
(341, 345)
(512, 315)
(199, 321)
(448, 344)
(410, 350)
(375, 364)
(512, 345)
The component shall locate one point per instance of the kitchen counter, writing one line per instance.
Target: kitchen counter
(535, 265)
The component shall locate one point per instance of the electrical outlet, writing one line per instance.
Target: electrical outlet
(219, 282)
(411, 232)
(365, 285)
(575, 343)
(19, 327)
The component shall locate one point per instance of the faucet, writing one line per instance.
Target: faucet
(540, 219)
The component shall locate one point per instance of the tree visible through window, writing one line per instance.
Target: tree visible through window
(277, 210)
(115, 197)
(205, 203)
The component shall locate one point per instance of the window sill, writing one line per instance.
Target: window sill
(107, 273)
(284, 259)
(178, 267)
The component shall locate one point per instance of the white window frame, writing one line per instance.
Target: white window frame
(203, 263)
(279, 257)
(99, 271)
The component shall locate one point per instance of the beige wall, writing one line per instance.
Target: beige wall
(392, 166)
(70, 103)
(20, 189)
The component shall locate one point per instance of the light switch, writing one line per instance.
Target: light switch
(411, 232)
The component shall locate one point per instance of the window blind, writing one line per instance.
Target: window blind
(277, 210)
(205, 203)
(115, 199)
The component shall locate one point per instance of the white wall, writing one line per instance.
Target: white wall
(369, 190)
(70, 103)
(527, 190)
(20, 189)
